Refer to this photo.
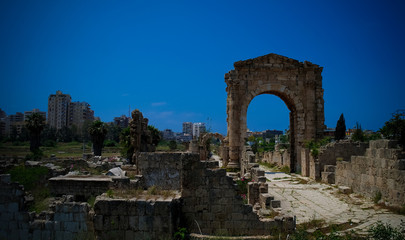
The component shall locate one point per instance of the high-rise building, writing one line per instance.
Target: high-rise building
(3, 123)
(198, 129)
(122, 121)
(35, 110)
(2, 114)
(15, 121)
(58, 109)
(188, 128)
(168, 134)
(79, 113)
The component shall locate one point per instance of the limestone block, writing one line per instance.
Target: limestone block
(328, 177)
(400, 164)
(12, 207)
(275, 203)
(130, 235)
(36, 235)
(265, 200)
(345, 190)
(133, 222)
(329, 168)
(71, 226)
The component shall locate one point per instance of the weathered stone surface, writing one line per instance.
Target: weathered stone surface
(141, 137)
(298, 84)
(380, 170)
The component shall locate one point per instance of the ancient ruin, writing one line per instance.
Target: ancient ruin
(169, 191)
(298, 84)
(141, 137)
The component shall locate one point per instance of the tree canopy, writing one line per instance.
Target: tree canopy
(395, 129)
(35, 123)
(340, 131)
(97, 131)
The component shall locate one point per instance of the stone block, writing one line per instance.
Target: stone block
(130, 235)
(98, 222)
(22, 234)
(345, 190)
(328, 177)
(329, 168)
(37, 235)
(133, 222)
(265, 200)
(261, 179)
(71, 226)
(275, 203)
(78, 217)
(5, 178)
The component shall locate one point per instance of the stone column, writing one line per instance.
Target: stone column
(233, 111)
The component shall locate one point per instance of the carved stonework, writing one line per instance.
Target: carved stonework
(298, 84)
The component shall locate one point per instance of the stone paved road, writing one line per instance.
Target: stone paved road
(309, 200)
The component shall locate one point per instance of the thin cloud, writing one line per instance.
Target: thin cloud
(158, 104)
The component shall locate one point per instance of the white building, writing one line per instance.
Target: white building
(198, 129)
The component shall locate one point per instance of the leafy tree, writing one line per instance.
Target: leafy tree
(65, 134)
(340, 131)
(113, 132)
(125, 141)
(358, 135)
(155, 135)
(284, 139)
(35, 123)
(48, 133)
(97, 131)
(172, 145)
(395, 129)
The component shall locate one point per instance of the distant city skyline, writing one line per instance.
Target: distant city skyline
(169, 59)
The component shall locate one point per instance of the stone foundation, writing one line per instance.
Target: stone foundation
(66, 220)
(136, 218)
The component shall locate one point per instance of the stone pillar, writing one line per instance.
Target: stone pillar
(234, 135)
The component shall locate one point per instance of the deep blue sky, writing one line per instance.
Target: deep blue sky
(168, 58)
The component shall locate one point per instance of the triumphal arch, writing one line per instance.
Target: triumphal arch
(298, 84)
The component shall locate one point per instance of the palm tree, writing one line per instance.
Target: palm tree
(35, 123)
(97, 131)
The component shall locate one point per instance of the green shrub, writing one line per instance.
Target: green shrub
(49, 143)
(180, 234)
(29, 177)
(385, 232)
(35, 156)
(377, 197)
(110, 143)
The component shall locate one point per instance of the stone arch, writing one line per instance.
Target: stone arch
(204, 151)
(298, 84)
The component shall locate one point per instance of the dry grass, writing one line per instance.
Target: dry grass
(151, 193)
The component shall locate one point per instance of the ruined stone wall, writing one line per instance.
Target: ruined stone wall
(66, 220)
(211, 203)
(160, 169)
(281, 158)
(136, 218)
(382, 169)
(312, 167)
(343, 150)
(82, 186)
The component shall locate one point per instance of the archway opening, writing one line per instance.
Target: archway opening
(268, 129)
